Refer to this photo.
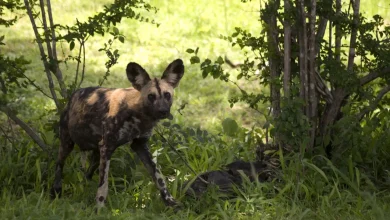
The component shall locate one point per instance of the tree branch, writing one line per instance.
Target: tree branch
(43, 55)
(25, 127)
(373, 75)
(375, 103)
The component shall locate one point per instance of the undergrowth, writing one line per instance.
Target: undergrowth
(302, 188)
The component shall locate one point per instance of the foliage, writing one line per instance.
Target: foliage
(360, 91)
(12, 76)
(9, 5)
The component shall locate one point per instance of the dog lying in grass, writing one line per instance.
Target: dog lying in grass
(231, 176)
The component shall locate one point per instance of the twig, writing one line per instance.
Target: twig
(25, 127)
(11, 128)
(37, 87)
(83, 72)
(185, 162)
(6, 136)
(78, 65)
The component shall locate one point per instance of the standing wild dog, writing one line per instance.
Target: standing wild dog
(102, 119)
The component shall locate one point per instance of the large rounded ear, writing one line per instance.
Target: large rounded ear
(137, 75)
(173, 73)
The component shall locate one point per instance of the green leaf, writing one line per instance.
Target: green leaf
(230, 126)
(121, 39)
(116, 31)
(71, 45)
(205, 74)
(189, 50)
(196, 51)
(166, 124)
(194, 60)
(220, 60)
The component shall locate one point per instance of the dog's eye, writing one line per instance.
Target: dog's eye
(167, 95)
(152, 97)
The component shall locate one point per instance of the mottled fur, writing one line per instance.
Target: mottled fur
(102, 119)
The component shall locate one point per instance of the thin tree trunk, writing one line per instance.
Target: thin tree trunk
(46, 31)
(287, 49)
(43, 55)
(58, 72)
(330, 52)
(320, 33)
(332, 110)
(338, 31)
(339, 94)
(302, 40)
(312, 74)
(272, 38)
(355, 23)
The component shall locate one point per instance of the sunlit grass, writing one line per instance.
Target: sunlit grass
(182, 26)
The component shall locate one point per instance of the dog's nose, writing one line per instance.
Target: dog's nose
(163, 112)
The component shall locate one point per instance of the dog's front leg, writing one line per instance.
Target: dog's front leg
(141, 148)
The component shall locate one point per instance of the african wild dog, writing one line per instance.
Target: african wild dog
(102, 119)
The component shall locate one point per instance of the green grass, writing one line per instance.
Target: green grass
(300, 193)
(26, 172)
